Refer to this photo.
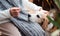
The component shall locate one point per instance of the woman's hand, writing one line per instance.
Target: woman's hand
(14, 11)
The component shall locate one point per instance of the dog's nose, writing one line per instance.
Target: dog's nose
(38, 16)
(29, 15)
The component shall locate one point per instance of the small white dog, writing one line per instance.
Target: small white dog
(37, 16)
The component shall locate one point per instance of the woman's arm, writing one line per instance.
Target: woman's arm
(12, 12)
(31, 5)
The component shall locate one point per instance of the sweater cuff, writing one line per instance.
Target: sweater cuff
(8, 15)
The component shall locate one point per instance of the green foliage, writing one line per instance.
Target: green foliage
(55, 23)
(57, 2)
(58, 18)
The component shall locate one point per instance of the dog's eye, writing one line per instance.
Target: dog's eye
(29, 15)
(38, 16)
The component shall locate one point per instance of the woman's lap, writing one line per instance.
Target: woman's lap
(9, 29)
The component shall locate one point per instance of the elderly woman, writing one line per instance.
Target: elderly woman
(13, 18)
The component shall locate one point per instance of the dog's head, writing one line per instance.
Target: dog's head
(36, 17)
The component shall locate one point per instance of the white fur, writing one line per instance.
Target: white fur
(34, 17)
(56, 33)
(49, 26)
